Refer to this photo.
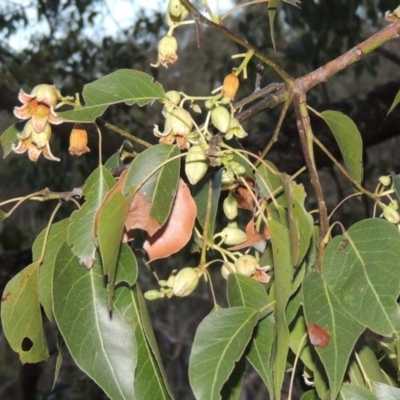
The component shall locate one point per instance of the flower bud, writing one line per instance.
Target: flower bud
(235, 129)
(39, 139)
(395, 204)
(173, 96)
(246, 265)
(78, 140)
(209, 104)
(152, 295)
(167, 49)
(237, 168)
(46, 94)
(175, 8)
(185, 282)
(179, 122)
(230, 85)
(233, 236)
(227, 269)
(227, 178)
(230, 206)
(220, 118)
(385, 180)
(196, 164)
(391, 215)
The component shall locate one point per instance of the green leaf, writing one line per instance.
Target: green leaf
(352, 392)
(283, 273)
(149, 380)
(57, 236)
(110, 222)
(267, 178)
(232, 388)
(103, 346)
(244, 291)
(21, 316)
(220, 341)
(385, 392)
(396, 101)
(310, 395)
(260, 350)
(208, 190)
(301, 348)
(158, 185)
(127, 268)
(348, 139)
(81, 229)
(125, 85)
(9, 137)
(361, 268)
(272, 7)
(114, 161)
(396, 183)
(336, 330)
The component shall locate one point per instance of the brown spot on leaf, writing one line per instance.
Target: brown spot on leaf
(319, 337)
(5, 296)
(343, 245)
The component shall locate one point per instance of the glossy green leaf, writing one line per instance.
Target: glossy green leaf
(81, 229)
(220, 341)
(352, 392)
(57, 236)
(348, 139)
(9, 137)
(102, 345)
(332, 327)
(114, 161)
(125, 85)
(232, 388)
(205, 191)
(385, 392)
(149, 381)
(158, 185)
(361, 268)
(396, 101)
(283, 273)
(21, 316)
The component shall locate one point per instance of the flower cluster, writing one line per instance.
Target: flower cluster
(38, 109)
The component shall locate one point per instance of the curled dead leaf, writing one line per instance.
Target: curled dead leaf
(177, 231)
(254, 238)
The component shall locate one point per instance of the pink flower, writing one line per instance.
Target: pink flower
(35, 142)
(39, 106)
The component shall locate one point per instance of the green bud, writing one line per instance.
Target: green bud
(220, 118)
(391, 215)
(246, 265)
(227, 269)
(385, 180)
(233, 236)
(186, 281)
(152, 295)
(196, 164)
(173, 96)
(230, 207)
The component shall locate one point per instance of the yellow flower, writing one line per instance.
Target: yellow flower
(35, 142)
(39, 106)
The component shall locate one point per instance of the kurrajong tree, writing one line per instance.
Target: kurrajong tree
(300, 297)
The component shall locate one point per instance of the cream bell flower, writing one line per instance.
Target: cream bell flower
(34, 142)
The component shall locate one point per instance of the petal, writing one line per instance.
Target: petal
(39, 122)
(48, 154)
(24, 97)
(21, 147)
(53, 119)
(33, 152)
(22, 112)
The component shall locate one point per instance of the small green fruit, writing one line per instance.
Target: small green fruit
(185, 282)
(221, 118)
(196, 164)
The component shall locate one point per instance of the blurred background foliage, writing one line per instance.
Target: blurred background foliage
(67, 43)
